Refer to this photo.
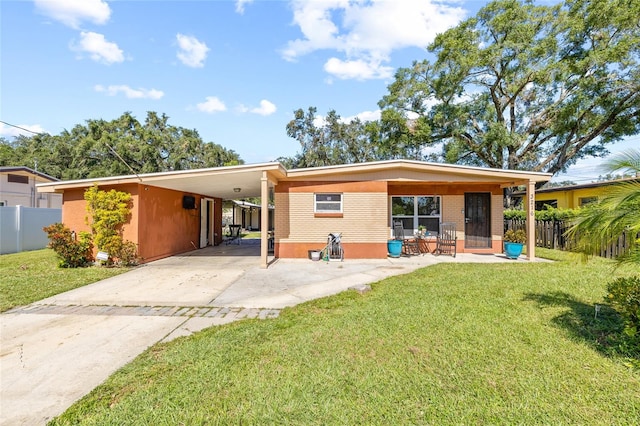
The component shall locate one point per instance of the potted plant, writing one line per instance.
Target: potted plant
(421, 229)
(514, 242)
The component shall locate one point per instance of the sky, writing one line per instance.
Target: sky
(234, 70)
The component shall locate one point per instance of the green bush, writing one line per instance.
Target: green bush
(548, 214)
(513, 236)
(73, 253)
(624, 295)
(108, 212)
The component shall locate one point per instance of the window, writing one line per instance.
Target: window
(328, 203)
(540, 205)
(18, 178)
(417, 211)
(586, 201)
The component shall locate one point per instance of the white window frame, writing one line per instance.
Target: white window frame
(317, 205)
(415, 217)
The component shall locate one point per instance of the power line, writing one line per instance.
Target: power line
(22, 128)
(108, 146)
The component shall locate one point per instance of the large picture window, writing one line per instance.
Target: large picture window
(416, 211)
(328, 203)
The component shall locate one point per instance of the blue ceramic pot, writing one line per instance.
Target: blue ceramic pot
(513, 250)
(394, 247)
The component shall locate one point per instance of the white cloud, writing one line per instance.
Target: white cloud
(73, 12)
(192, 52)
(357, 69)
(364, 116)
(211, 105)
(366, 32)
(98, 48)
(11, 131)
(240, 5)
(130, 93)
(265, 108)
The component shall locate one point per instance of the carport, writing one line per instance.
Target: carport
(159, 204)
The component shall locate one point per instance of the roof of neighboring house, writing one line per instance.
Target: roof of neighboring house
(27, 170)
(248, 205)
(581, 186)
(232, 182)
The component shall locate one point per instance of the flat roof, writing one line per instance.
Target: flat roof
(231, 182)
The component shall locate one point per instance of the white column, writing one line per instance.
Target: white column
(264, 220)
(531, 220)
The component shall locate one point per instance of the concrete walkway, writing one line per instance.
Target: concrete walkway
(57, 350)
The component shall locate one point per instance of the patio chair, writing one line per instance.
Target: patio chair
(410, 245)
(446, 241)
(234, 234)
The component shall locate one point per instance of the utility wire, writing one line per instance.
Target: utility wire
(108, 146)
(22, 128)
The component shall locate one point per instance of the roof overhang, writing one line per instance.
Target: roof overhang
(223, 182)
(220, 182)
(400, 170)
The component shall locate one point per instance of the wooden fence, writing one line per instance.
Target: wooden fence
(551, 234)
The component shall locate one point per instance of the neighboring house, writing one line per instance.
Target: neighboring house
(175, 212)
(18, 188)
(246, 214)
(572, 196)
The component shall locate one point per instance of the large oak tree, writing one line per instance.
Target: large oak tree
(523, 86)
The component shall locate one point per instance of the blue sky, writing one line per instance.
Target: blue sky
(233, 70)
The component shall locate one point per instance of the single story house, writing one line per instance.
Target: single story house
(174, 212)
(18, 188)
(573, 196)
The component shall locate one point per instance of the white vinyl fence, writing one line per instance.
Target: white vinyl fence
(21, 228)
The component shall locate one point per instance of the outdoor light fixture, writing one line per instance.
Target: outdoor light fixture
(236, 189)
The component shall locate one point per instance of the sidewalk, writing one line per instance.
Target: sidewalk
(57, 350)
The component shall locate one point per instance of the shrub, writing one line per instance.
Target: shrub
(624, 295)
(108, 212)
(73, 253)
(518, 236)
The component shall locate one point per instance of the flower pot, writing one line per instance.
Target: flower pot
(394, 247)
(513, 250)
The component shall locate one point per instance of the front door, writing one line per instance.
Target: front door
(206, 222)
(477, 220)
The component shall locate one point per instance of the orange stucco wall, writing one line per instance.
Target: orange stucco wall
(158, 225)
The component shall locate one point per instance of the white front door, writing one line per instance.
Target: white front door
(206, 222)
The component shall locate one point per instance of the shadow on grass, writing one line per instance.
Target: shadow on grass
(599, 325)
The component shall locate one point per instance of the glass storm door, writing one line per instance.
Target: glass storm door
(477, 220)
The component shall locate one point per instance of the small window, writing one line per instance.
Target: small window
(540, 205)
(18, 178)
(328, 203)
(584, 201)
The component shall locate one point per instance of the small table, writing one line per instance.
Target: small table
(424, 242)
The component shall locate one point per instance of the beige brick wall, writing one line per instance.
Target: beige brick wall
(364, 219)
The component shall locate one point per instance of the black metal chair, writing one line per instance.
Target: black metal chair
(447, 239)
(409, 245)
(234, 233)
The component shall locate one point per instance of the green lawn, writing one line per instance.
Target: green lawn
(512, 343)
(34, 275)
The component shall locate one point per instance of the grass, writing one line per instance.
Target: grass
(34, 275)
(510, 343)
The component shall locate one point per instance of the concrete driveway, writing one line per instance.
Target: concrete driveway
(57, 350)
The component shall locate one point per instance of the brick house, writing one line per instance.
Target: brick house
(175, 212)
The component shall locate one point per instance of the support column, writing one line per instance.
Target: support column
(531, 220)
(264, 220)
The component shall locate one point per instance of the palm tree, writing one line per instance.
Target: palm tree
(604, 222)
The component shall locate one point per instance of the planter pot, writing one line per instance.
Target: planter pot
(513, 250)
(394, 247)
